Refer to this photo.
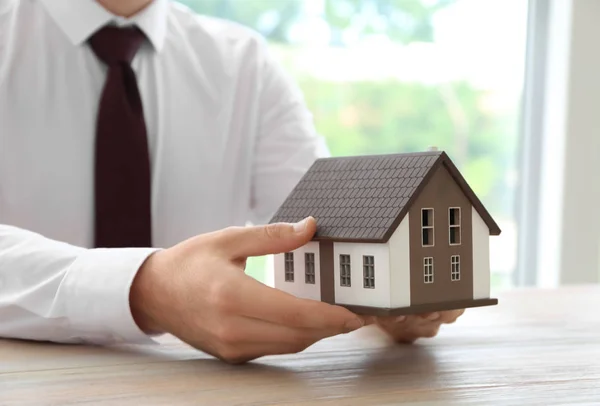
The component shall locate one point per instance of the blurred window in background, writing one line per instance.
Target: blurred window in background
(386, 76)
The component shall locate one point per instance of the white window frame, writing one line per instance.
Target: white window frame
(288, 266)
(431, 227)
(456, 226)
(368, 272)
(455, 268)
(309, 271)
(345, 273)
(428, 270)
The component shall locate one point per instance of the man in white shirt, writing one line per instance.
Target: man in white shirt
(200, 105)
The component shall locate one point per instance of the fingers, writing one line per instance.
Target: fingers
(250, 351)
(412, 335)
(410, 328)
(241, 242)
(240, 339)
(446, 317)
(451, 316)
(253, 299)
(369, 320)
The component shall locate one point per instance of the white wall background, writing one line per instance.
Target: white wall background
(581, 192)
(299, 287)
(481, 257)
(399, 249)
(357, 294)
(564, 247)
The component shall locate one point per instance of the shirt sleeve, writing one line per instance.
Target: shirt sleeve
(5, 7)
(287, 141)
(6, 15)
(53, 291)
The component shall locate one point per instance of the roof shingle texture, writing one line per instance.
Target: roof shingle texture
(356, 197)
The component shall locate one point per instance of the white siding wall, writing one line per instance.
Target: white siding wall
(357, 294)
(399, 248)
(299, 287)
(481, 257)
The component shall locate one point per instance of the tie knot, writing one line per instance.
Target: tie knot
(113, 45)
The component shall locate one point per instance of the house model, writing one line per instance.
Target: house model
(396, 234)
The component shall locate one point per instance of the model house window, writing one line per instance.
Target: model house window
(345, 270)
(289, 267)
(427, 227)
(369, 271)
(309, 268)
(454, 221)
(428, 269)
(455, 267)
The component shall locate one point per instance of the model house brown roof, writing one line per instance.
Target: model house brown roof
(364, 198)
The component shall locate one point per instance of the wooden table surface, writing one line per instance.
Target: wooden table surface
(536, 347)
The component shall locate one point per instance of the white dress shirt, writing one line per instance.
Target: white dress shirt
(229, 137)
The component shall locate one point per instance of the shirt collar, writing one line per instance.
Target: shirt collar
(79, 19)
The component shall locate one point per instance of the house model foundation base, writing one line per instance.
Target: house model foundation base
(396, 234)
(420, 309)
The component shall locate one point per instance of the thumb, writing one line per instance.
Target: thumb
(273, 238)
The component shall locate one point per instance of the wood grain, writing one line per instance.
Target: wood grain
(536, 347)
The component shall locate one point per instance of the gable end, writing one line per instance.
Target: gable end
(445, 160)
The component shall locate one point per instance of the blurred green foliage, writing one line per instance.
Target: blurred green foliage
(401, 20)
(272, 18)
(390, 116)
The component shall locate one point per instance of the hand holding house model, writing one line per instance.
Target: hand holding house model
(396, 234)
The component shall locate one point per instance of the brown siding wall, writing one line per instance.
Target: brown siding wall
(327, 273)
(441, 193)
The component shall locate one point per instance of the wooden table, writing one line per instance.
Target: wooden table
(535, 347)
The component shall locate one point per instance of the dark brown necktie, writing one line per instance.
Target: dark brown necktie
(122, 167)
